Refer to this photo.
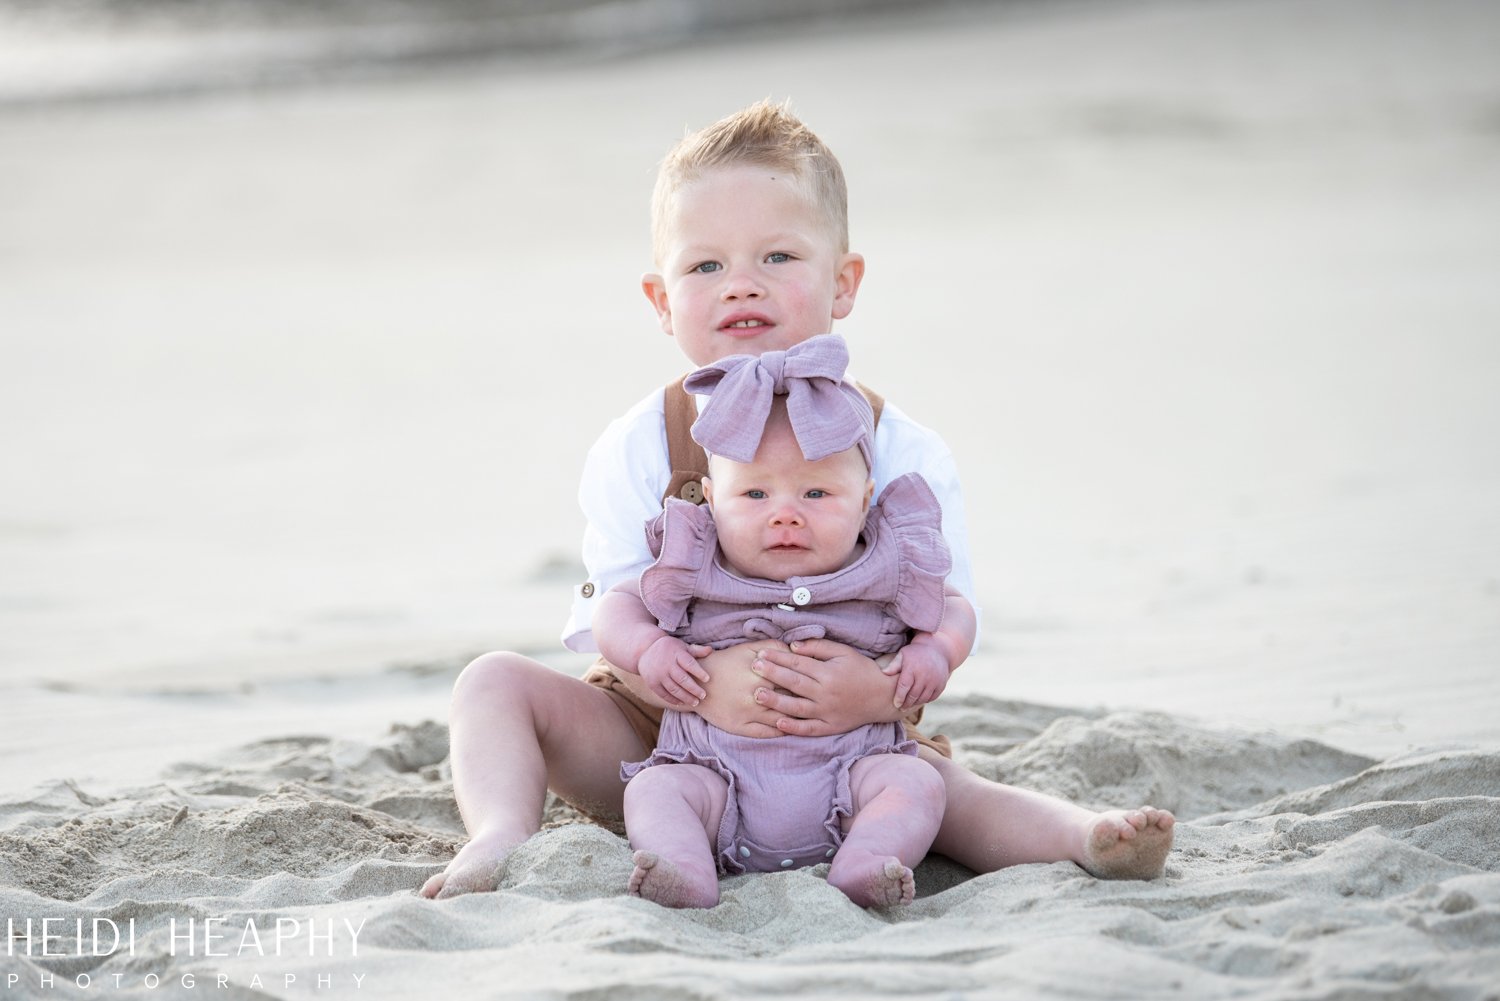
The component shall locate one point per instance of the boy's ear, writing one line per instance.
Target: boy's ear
(850, 273)
(708, 492)
(656, 291)
(869, 494)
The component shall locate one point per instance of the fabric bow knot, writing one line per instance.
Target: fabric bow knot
(827, 414)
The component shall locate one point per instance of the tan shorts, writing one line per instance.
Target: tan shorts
(645, 719)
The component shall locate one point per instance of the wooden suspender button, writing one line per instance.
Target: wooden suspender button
(692, 492)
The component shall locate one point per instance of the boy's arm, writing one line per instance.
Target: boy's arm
(825, 687)
(620, 490)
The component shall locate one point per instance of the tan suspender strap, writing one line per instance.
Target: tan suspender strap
(877, 402)
(688, 461)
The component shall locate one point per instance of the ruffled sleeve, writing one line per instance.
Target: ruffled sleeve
(683, 540)
(913, 516)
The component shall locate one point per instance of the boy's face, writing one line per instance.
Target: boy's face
(749, 265)
(781, 516)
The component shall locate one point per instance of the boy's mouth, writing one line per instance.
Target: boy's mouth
(745, 322)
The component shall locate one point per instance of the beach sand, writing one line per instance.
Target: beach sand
(296, 383)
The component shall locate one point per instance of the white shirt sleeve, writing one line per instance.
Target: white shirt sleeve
(624, 476)
(904, 446)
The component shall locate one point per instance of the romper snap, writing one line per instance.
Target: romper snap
(587, 590)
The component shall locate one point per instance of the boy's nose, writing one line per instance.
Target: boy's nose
(742, 286)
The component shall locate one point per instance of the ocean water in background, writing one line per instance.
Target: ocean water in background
(102, 50)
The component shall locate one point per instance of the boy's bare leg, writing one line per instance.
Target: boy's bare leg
(517, 727)
(672, 815)
(898, 805)
(989, 826)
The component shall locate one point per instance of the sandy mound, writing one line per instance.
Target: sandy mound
(1309, 872)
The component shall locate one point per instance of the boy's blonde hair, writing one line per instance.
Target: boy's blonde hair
(762, 135)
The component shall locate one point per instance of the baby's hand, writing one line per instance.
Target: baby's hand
(924, 674)
(669, 666)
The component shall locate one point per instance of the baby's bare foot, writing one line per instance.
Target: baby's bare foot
(475, 869)
(872, 880)
(1128, 844)
(661, 880)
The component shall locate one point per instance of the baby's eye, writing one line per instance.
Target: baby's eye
(756, 494)
(778, 258)
(707, 267)
(815, 493)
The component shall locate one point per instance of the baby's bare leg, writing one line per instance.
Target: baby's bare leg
(517, 728)
(989, 826)
(898, 805)
(672, 815)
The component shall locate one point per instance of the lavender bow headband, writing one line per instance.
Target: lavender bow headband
(827, 414)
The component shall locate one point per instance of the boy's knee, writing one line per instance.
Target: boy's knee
(491, 674)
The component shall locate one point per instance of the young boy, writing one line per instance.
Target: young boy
(751, 235)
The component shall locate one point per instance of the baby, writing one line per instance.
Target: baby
(790, 549)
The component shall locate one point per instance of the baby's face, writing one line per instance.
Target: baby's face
(749, 265)
(781, 516)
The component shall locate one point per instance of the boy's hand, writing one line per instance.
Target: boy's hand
(731, 704)
(670, 666)
(922, 674)
(823, 687)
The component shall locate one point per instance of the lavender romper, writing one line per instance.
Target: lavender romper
(788, 795)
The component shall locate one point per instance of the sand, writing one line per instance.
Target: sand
(1221, 278)
(1300, 871)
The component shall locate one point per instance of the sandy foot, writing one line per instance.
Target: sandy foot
(659, 879)
(1128, 844)
(873, 881)
(475, 869)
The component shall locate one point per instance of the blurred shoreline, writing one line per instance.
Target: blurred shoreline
(95, 51)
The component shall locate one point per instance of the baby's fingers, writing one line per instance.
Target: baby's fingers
(892, 667)
(903, 689)
(692, 668)
(674, 692)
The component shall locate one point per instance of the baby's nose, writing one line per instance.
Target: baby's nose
(786, 514)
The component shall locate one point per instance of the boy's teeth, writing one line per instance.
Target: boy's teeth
(747, 323)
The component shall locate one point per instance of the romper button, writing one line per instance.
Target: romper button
(830, 853)
(744, 852)
(801, 596)
(692, 492)
(787, 863)
(587, 590)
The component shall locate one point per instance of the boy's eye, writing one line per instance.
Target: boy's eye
(778, 258)
(706, 267)
(815, 493)
(756, 494)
